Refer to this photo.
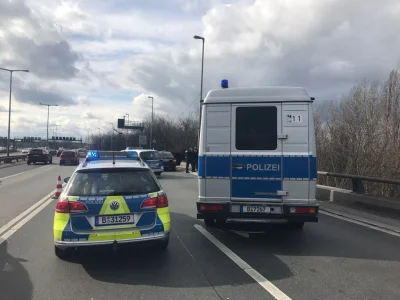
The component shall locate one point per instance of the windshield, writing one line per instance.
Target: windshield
(150, 155)
(112, 182)
(166, 155)
(68, 154)
(36, 151)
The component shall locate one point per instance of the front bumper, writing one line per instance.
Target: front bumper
(283, 216)
(73, 243)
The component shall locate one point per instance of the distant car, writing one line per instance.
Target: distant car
(59, 151)
(111, 203)
(53, 152)
(151, 158)
(26, 151)
(169, 161)
(69, 157)
(82, 152)
(39, 155)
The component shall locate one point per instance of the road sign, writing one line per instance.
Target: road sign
(142, 140)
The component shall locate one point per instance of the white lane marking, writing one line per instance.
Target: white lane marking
(374, 227)
(22, 172)
(261, 280)
(27, 214)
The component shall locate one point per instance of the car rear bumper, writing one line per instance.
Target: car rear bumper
(283, 217)
(160, 236)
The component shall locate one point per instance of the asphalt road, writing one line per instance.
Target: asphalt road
(333, 259)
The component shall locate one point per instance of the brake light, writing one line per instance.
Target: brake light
(62, 206)
(157, 202)
(44, 153)
(303, 210)
(162, 201)
(212, 207)
(65, 206)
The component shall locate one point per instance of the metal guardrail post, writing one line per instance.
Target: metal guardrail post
(358, 186)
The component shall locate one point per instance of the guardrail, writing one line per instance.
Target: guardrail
(357, 180)
(12, 158)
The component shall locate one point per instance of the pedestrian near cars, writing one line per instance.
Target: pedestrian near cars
(189, 158)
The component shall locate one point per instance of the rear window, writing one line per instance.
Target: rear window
(36, 151)
(256, 128)
(68, 153)
(166, 155)
(150, 155)
(101, 182)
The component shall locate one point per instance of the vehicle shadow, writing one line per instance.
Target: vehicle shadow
(14, 279)
(191, 260)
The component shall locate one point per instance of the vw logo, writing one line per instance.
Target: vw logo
(114, 205)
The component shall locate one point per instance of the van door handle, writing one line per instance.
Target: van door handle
(237, 166)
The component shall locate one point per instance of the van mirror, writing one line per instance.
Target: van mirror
(66, 179)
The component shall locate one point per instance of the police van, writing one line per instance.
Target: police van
(257, 157)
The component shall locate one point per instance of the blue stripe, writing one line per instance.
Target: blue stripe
(292, 168)
(255, 188)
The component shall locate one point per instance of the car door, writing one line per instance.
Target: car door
(256, 152)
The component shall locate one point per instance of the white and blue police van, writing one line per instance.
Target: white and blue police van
(257, 157)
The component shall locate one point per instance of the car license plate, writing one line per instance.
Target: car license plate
(113, 220)
(255, 209)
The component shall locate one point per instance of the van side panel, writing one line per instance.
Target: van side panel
(313, 157)
(216, 153)
(296, 155)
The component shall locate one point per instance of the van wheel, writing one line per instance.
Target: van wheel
(296, 225)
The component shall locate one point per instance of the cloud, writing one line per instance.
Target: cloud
(88, 115)
(83, 100)
(34, 95)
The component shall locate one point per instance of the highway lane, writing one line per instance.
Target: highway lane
(329, 260)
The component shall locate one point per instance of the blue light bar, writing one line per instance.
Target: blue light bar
(95, 155)
(224, 83)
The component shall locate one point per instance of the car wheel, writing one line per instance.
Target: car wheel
(62, 253)
(50, 161)
(174, 169)
(61, 163)
(296, 225)
(164, 244)
(28, 162)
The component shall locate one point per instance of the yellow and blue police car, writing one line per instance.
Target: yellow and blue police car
(111, 198)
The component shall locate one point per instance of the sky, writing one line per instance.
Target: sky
(100, 59)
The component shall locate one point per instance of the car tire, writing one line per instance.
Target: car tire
(45, 162)
(50, 161)
(296, 225)
(164, 244)
(28, 162)
(61, 163)
(174, 169)
(62, 253)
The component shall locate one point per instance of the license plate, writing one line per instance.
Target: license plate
(113, 220)
(255, 209)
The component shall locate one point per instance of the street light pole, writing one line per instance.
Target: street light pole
(127, 135)
(48, 117)
(152, 120)
(196, 37)
(9, 106)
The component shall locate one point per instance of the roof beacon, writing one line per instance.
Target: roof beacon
(224, 83)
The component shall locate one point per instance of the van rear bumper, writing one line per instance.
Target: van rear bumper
(224, 213)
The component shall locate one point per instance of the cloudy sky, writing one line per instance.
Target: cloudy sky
(100, 59)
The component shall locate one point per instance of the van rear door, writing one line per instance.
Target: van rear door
(256, 152)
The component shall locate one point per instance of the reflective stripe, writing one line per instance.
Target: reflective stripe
(60, 222)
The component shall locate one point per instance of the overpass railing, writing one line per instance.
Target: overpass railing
(357, 180)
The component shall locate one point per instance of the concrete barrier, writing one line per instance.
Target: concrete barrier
(343, 196)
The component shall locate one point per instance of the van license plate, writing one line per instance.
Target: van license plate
(255, 209)
(114, 220)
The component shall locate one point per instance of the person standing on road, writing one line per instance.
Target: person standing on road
(195, 161)
(188, 157)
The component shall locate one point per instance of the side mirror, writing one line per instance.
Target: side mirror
(66, 179)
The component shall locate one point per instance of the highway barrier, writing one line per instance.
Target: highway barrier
(12, 158)
(357, 192)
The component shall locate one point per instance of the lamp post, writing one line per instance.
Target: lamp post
(196, 37)
(152, 119)
(48, 116)
(9, 106)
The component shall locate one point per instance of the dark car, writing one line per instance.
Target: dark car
(69, 157)
(168, 159)
(39, 155)
(59, 151)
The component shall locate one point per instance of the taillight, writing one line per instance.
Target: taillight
(44, 153)
(302, 210)
(211, 207)
(158, 202)
(162, 201)
(65, 206)
(62, 206)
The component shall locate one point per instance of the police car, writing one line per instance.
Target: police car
(111, 198)
(257, 157)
